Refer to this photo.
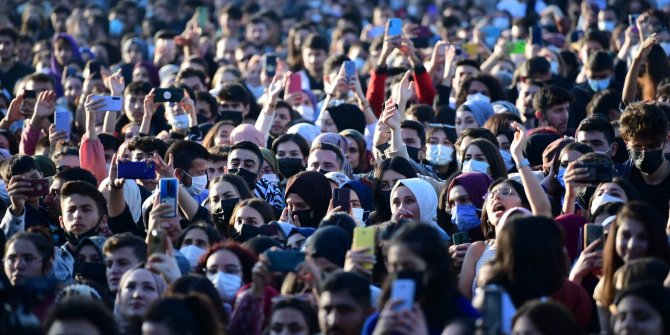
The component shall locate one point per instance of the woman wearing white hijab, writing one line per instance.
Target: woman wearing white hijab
(415, 199)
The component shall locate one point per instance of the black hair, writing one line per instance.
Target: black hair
(92, 311)
(420, 130)
(126, 240)
(307, 311)
(109, 141)
(185, 314)
(233, 92)
(550, 96)
(184, 152)
(196, 283)
(139, 87)
(333, 63)
(10, 32)
(422, 113)
(236, 181)
(246, 145)
(85, 189)
(599, 124)
(212, 234)
(535, 66)
(315, 41)
(16, 165)
(295, 138)
(210, 100)
(600, 61)
(351, 283)
(76, 174)
(190, 72)
(476, 133)
(330, 147)
(342, 220)
(148, 144)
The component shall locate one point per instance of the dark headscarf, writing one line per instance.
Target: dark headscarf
(363, 164)
(536, 145)
(57, 69)
(154, 79)
(314, 189)
(475, 183)
(364, 193)
(331, 243)
(347, 116)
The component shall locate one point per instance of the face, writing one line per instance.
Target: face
(139, 290)
(133, 54)
(594, 139)
(72, 327)
(141, 74)
(458, 195)
(474, 152)
(242, 158)
(80, 214)
(465, 120)
(89, 254)
(282, 118)
(503, 142)
(224, 261)
(196, 237)
(6, 48)
(63, 52)
(462, 73)
(118, 262)
(557, 116)
(439, 137)
(235, 106)
(389, 179)
(288, 321)
(636, 316)
(222, 190)
(215, 169)
(327, 123)
(478, 87)
(353, 155)
(403, 198)
(313, 60)
(194, 83)
(632, 240)
(247, 215)
(411, 138)
(72, 88)
(52, 200)
(289, 149)
(402, 258)
(198, 168)
(296, 203)
(612, 189)
(258, 33)
(501, 198)
(323, 160)
(223, 135)
(525, 326)
(67, 162)
(525, 100)
(133, 106)
(23, 261)
(340, 314)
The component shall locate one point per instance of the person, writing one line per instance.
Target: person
(138, 288)
(181, 315)
(122, 252)
(27, 255)
(325, 157)
(463, 200)
(10, 70)
(225, 192)
(440, 150)
(357, 153)
(545, 318)
(195, 240)
(74, 316)
(482, 156)
(219, 134)
(472, 114)
(307, 197)
(344, 303)
(552, 105)
(415, 199)
(249, 214)
(598, 133)
(246, 160)
(291, 151)
(645, 299)
(293, 315)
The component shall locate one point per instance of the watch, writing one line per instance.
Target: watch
(523, 163)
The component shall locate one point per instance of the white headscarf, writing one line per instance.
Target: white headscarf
(426, 198)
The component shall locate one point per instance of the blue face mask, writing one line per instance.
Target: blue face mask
(116, 27)
(559, 176)
(598, 85)
(465, 217)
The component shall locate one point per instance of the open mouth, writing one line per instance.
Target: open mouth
(499, 209)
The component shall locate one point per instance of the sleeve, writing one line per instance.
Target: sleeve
(125, 223)
(423, 84)
(377, 90)
(247, 316)
(11, 224)
(270, 193)
(194, 134)
(264, 123)
(92, 157)
(29, 138)
(402, 152)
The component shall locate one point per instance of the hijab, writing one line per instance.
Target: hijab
(314, 188)
(481, 110)
(347, 116)
(308, 131)
(57, 68)
(475, 183)
(154, 79)
(331, 243)
(364, 193)
(426, 199)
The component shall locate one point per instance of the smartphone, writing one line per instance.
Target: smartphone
(536, 36)
(350, 69)
(492, 310)
(341, 197)
(632, 21)
(157, 241)
(94, 70)
(40, 187)
(395, 27)
(599, 172)
(203, 16)
(403, 290)
(270, 65)
(364, 237)
(62, 122)
(136, 170)
(169, 188)
(234, 117)
(284, 260)
(112, 103)
(168, 95)
(294, 83)
(593, 232)
(517, 47)
(460, 237)
(471, 49)
(29, 94)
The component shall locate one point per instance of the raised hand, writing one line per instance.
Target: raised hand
(646, 46)
(391, 117)
(149, 105)
(45, 104)
(405, 88)
(14, 110)
(16, 190)
(519, 143)
(115, 83)
(277, 85)
(115, 182)
(93, 105)
(164, 170)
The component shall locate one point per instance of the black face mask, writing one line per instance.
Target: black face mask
(90, 270)
(76, 239)
(306, 219)
(288, 167)
(413, 153)
(647, 161)
(248, 176)
(246, 233)
(322, 171)
(224, 210)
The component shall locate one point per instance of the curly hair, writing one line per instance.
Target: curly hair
(643, 121)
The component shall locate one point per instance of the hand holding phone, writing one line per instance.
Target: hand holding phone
(364, 238)
(284, 260)
(270, 65)
(40, 187)
(294, 83)
(136, 170)
(110, 104)
(395, 27)
(593, 232)
(402, 290)
(169, 188)
(350, 70)
(341, 198)
(62, 122)
(157, 241)
(168, 95)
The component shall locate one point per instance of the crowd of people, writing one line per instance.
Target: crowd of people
(335, 167)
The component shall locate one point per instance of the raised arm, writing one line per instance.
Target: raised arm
(539, 202)
(116, 85)
(264, 121)
(630, 85)
(149, 110)
(44, 107)
(92, 153)
(13, 112)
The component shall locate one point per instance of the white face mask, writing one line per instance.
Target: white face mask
(606, 25)
(180, 121)
(198, 184)
(192, 253)
(603, 199)
(227, 284)
(507, 158)
(478, 96)
(475, 166)
(439, 154)
(357, 213)
(271, 177)
(307, 112)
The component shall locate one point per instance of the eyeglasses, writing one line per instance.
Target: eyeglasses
(502, 192)
(27, 259)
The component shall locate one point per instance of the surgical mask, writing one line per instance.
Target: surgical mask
(666, 47)
(478, 97)
(475, 166)
(647, 161)
(413, 153)
(180, 121)
(198, 184)
(116, 27)
(305, 218)
(501, 23)
(603, 199)
(439, 154)
(357, 214)
(307, 112)
(598, 85)
(192, 253)
(559, 176)
(606, 25)
(227, 284)
(271, 177)
(465, 217)
(507, 158)
(248, 176)
(554, 67)
(288, 167)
